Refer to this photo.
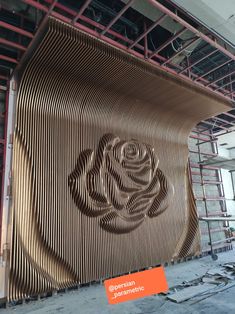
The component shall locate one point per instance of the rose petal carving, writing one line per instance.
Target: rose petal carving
(113, 223)
(120, 182)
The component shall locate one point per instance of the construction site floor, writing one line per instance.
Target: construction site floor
(92, 299)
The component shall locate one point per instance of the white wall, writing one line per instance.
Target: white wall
(228, 189)
(232, 154)
(223, 152)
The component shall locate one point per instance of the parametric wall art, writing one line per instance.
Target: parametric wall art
(100, 184)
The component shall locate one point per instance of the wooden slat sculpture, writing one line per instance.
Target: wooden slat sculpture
(100, 164)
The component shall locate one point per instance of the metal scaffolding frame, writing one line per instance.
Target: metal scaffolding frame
(136, 47)
(210, 176)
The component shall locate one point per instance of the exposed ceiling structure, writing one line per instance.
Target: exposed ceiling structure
(216, 15)
(164, 33)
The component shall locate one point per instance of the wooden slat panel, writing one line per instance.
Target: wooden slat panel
(100, 153)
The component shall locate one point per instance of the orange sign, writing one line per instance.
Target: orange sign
(137, 285)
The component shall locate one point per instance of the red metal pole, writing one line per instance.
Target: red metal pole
(180, 51)
(229, 114)
(198, 61)
(16, 29)
(108, 40)
(222, 120)
(221, 78)
(166, 43)
(161, 19)
(52, 6)
(212, 70)
(230, 93)
(226, 84)
(213, 124)
(12, 44)
(8, 59)
(2, 77)
(118, 45)
(83, 8)
(123, 10)
(175, 17)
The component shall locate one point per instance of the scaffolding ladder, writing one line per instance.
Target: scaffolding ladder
(209, 179)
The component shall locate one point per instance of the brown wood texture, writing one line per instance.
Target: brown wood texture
(100, 184)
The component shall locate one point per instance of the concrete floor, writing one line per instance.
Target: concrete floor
(92, 300)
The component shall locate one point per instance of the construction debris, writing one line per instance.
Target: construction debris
(215, 280)
(189, 292)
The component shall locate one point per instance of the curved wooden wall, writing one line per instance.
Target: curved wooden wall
(99, 169)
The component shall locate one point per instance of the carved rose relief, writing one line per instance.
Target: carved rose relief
(121, 183)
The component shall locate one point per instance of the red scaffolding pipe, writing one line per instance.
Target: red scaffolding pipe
(198, 61)
(230, 93)
(8, 59)
(166, 43)
(167, 13)
(213, 124)
(221, 78)
(12, 44)
(202, 138)
(146, 32)
(83, 8)
(212, 70)
(2, 77)
(229, 114)
(16, 29)
(226, 84)
(222, 120)
(108, 40)
(96, 34)
(180, 51)
(191, 28)
(123, 10)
